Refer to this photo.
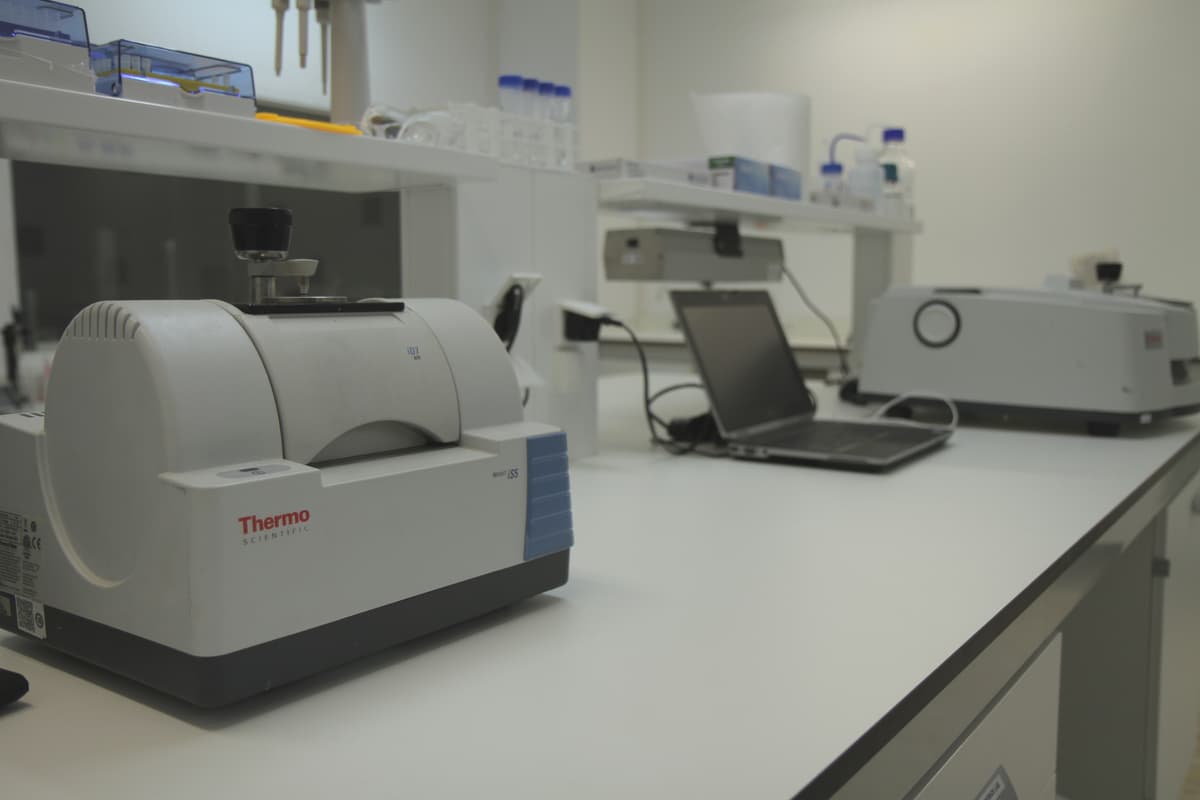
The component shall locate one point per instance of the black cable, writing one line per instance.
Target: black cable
(12, 362)
(837, 341)
(675, 388)
(668, 444)
(508, 316)
(659, 394)
(525, 398)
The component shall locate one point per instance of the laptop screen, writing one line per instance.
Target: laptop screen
(743, 356)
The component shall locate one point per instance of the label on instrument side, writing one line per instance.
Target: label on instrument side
(31, 617)
(998, 787)
(20, 554)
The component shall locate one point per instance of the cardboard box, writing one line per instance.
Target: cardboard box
(740, 174)
(786, 182)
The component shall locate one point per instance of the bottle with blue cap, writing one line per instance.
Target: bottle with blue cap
(510, 93)
(833, 185)
(562, 104)
(898, 167)
(529, 96)
(545, 104)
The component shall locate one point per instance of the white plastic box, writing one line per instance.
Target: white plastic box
(611, 168)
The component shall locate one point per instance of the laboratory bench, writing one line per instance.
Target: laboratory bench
(994, 613)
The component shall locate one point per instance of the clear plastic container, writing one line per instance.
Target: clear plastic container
(437, 128)
(46, 43)
(832, 189)
(545, 102)
(831, 178)
(44, 19)
(898, 167)
(865, 179)
(510, 93)
(529, 96)
(142, 72)
(562, 104)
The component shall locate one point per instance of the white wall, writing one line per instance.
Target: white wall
(422, 52)
(607, 108)
(1040, 129)
(609, 78)
(538, 39)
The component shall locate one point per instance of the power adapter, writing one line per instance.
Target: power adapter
(700, 429)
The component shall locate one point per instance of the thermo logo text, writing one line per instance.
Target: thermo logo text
(257, 524)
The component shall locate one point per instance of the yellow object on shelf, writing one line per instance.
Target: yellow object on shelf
(312, 124)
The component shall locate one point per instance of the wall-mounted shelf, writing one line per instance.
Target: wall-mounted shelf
(657, 199)
(57, 126)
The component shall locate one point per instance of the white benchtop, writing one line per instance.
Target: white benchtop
(728, 630)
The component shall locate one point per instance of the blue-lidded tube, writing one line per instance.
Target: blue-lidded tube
(562, 104)
(529, 96)
(510, 93)
(545, 102)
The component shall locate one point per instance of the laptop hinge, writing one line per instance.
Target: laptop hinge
(776, 426)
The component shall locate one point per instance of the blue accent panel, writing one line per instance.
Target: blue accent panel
(545, 505)
(551, 484)
(548, 523)
(550, 526)
(547, 444)
(548, 466)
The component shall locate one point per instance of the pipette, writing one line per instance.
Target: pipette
(303, 7)
(322, 7)
(280, 7)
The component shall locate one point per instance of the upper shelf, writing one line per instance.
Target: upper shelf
(680, 201)
(58, 126)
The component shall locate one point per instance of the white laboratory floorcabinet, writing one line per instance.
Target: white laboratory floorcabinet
(1013, 745)
(1013, 616)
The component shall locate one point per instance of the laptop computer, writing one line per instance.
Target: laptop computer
(759, 400)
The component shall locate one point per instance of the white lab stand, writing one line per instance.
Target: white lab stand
(883, 244)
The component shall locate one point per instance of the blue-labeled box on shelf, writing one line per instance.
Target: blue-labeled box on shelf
(46, 43)
(786, 182)
(740, 174)
(138, 71)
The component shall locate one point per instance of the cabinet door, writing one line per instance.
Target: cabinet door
(1011, 752)
(1179, 681)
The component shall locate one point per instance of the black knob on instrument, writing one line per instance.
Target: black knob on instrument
(261, 234)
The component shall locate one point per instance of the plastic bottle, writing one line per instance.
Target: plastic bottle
(529, 97)
(545, 102)
(898, 167)
(562, 104)
(510, 93)
(865, 178)
(564, 138)
(832, 185)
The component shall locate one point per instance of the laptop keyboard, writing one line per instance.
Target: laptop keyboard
(831, 436)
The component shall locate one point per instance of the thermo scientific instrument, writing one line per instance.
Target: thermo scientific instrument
(222, 499)
(1106, 359)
